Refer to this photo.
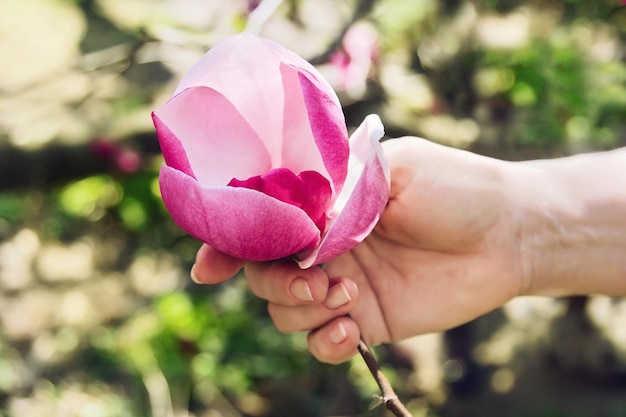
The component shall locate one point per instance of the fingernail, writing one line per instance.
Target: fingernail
(337, 333)
(337, 296)
(193, 275)
(301, 290)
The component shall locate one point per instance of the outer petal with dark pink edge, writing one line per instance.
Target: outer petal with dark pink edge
(171, 147)
(362, 199)
(329, 131)
(240, 222)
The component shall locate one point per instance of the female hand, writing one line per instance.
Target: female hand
(443, 253)
(461, 235)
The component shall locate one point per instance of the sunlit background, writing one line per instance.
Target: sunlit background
(98, 316)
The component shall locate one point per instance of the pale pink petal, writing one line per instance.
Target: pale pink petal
(363, 198)
(217, 140)
(173, 151)
(246, 46)
(246, 69)
(240, 222)
(315, 131)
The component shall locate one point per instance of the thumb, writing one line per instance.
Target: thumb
(213, 266)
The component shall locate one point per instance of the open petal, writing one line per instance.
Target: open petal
(315, 131)
(363, 198)
(213, 135)
(240, 222)
(172, 149)
(329, 131)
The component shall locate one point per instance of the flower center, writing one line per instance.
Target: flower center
(308, 190)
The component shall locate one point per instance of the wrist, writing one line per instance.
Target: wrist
(571, 213)
(544, 213)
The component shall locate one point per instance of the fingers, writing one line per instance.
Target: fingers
(340, 299)
(298, 300)
(284, 283)
(308, 300)
(335, 342)
(213, 266)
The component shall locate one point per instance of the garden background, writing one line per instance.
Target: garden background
(98, 316)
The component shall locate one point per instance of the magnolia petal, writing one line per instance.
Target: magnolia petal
(299, 148)
(245, 63)
(250, 47)
(363, 198)
(329, 131)
(240, 222)
(237, 66)
(212, 134)
(172, 149)
(307, 190)
(315, 133)
(306, 68)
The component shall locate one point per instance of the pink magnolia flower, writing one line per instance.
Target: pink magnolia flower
(258, 163)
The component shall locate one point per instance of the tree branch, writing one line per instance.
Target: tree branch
(389, 397)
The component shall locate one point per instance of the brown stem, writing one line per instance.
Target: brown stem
(389, 397)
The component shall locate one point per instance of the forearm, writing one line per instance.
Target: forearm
(573, 225)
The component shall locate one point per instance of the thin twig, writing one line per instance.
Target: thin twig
(389, 397)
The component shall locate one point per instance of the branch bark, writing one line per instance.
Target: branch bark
(389, 397)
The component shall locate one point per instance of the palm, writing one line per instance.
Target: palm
(419, 273)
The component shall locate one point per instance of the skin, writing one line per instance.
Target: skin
(462, 234)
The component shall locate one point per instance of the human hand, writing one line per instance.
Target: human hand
(461, 235)
(444, 252)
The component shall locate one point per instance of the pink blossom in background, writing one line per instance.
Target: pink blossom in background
(354, 61)
(253, 4)
(258, 162)
(122, 157)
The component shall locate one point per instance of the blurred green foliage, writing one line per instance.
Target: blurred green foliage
(209, 344)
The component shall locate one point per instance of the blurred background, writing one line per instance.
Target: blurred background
(98, 316)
